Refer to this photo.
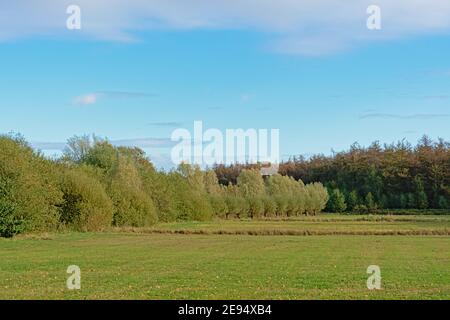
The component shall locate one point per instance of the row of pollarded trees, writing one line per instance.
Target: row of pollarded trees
(278, 195)
(96, 185)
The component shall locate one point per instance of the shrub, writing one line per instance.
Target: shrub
(132, 206)
(10, 225)
(160, 189)
(361, 209)
(190, 203)
(237, 206)
(29, 193)
(218, 205)
(86, 206)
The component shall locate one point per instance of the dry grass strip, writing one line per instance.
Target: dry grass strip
(281, 232)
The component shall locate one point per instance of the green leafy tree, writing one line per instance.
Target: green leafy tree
(370, 202)
(352, 200)
(421, 196)
(270, 206)
(251, 183)
(336, 202)
(443, 203)
(132, 206)
(255, 207)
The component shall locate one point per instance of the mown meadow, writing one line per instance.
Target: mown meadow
(137, 232)
(150, 264)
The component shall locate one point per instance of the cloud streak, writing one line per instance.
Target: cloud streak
(307, 27)
(168, 124)
(93, 98)
(418, 116)
(140, 143)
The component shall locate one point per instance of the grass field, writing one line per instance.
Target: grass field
(173, 261)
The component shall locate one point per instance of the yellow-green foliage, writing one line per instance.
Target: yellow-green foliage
(211, 183)
(190, 197)
(317, 197)
(277, 196)
(86, 206)
(28, 189)
(95, 185)
(255, 207)
(270, 206)
(251, 183)
(157, 186)
(132, 206)
(219, 205)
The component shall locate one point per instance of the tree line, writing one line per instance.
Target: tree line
(95, 185)
(392, 176)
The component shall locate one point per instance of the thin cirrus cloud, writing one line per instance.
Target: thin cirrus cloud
(93, 98)
(417, 116)
(169, 124)
(141, 143)
(307, 27)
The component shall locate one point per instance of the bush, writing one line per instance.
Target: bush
(160, 189)
(86, 206)
(10, 225)
(188, 204)
(237, 206)
(29, 194)
(132, 206)
(218, 205)
(361, 209)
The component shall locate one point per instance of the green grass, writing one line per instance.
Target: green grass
(125, 265)
(326, 224)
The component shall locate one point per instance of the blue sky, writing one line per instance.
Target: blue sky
(137, 82)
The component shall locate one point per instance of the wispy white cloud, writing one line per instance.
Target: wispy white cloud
(143, 143)
(307, 27)
(93, 98)
(55, 146)
(170, 124)
(87, 99)
(418, 116)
